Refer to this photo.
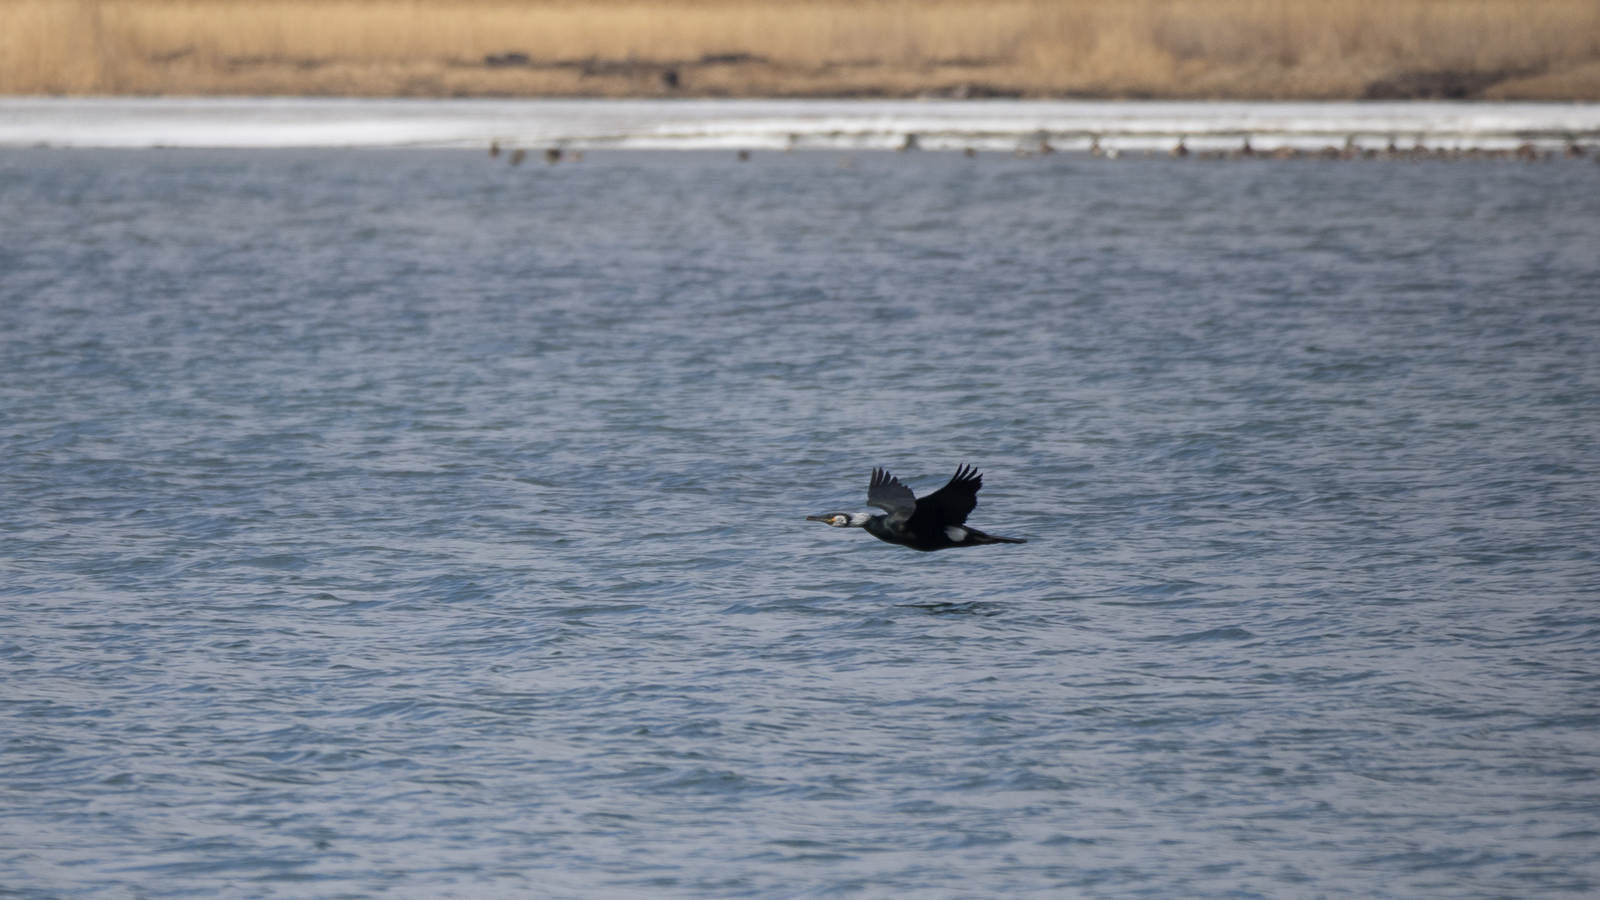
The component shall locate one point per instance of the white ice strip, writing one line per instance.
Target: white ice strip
(779, 124)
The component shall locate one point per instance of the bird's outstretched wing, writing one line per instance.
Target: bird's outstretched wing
(888, 494)
(951, 504)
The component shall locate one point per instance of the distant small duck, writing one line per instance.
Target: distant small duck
(936, 522)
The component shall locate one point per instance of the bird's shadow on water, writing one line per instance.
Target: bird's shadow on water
(947, 608)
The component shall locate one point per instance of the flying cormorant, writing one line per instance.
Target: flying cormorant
(936, 522)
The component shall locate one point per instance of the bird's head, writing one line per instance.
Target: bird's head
(842, 520)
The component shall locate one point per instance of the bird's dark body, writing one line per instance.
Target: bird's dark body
(929, 540)
(936, 522)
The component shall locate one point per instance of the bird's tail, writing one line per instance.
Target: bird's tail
(978, 537)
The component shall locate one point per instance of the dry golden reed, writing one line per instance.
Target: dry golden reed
(1258, 49)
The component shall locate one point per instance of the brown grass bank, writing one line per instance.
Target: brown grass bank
(1244, 49)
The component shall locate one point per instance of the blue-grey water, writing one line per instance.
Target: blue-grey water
(407, 524)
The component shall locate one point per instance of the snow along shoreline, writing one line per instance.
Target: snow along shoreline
(216, 122)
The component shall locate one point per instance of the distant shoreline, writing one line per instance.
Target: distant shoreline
(1498, 50)
(1342, 129)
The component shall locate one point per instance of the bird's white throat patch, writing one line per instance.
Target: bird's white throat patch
(955, 532)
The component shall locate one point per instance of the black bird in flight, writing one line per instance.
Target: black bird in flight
(936, 522)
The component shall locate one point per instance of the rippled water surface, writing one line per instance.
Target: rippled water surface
(391, 523)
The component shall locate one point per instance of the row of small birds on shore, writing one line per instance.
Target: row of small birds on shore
(552, 155)
(1526, 152)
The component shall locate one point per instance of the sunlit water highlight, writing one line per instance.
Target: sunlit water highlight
(407, 524)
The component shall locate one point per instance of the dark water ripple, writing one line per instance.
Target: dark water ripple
(390, 523)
